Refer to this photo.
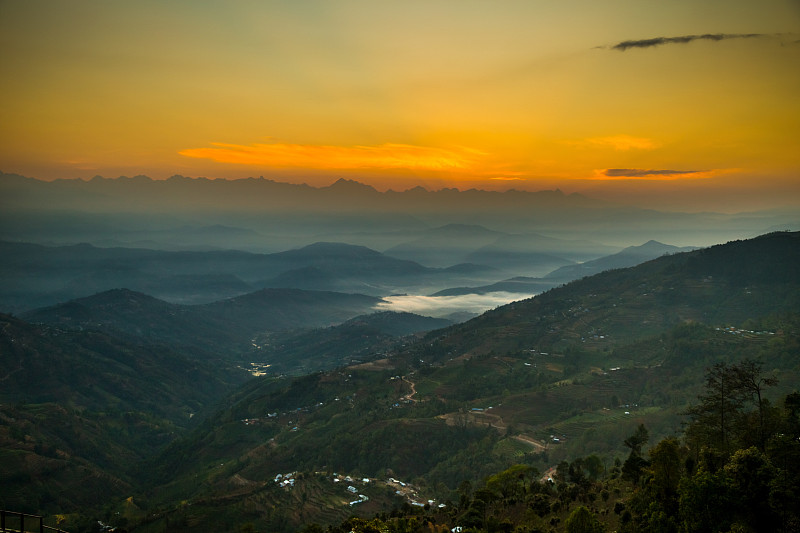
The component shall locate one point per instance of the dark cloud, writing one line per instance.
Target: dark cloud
(640, 172)
(683, 39)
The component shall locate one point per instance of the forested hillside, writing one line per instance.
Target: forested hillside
(570, 374)
(591, 385)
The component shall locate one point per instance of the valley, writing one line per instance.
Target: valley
(172, 390)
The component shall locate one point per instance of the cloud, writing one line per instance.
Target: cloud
(650, 174)
(624, 142)
(384, 156)
(441, 306)
(683, 39)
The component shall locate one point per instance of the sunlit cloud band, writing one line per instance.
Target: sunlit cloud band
(384, 156)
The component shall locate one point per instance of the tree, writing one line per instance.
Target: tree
(655, 505)
(632, 468)
(748, 378)
(360, 525)
(719, 420)
(581, 520)
(594, 466)
(713, 418)
(750, 475)
(665, 463)
(705, 501)
(510, 483)
(465, 493)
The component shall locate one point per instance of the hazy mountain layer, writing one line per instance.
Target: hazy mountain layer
(267, 216)
(33, 275)
(628, 257)
(222, 329)
(631, 256)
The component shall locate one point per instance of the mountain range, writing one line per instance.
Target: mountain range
(572, 371)
(226, 326)
(35, 275)
(630, 256)
(263, 215)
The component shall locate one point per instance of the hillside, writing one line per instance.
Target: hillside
(569, 373)
(360, 339)
(630, 256)
(222, 329)
(721, 285)
(78, 411)
(440, 426)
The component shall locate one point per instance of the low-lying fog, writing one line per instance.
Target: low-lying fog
(453, 307)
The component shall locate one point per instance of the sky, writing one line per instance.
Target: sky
(670, 103)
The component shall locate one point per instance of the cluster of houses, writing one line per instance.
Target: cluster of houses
(361, 497)
(737, 331)
(285, 481)
(307, 409)
(351, 488)
(254, 421)
(409, 493)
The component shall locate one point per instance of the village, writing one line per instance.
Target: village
(354, 488)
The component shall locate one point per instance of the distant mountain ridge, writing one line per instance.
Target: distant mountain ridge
(222, 327)
(631, 256)
(628, 257)
(33, 275)
(719, 285)
(250, 193)
(265, 215)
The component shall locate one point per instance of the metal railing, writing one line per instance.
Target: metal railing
(28, 523)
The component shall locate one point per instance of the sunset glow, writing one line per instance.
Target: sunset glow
(529, 95)
(386, 156)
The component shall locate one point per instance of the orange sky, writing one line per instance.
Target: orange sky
(618, 98)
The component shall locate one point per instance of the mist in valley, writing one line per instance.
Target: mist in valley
(446, 252)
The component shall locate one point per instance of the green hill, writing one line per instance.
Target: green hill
(358, 340)
(222, 329)
(570, 373)
(567, 374)
(79, 410)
